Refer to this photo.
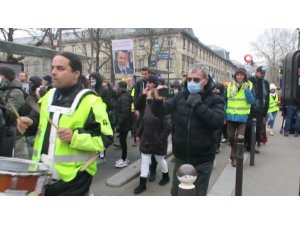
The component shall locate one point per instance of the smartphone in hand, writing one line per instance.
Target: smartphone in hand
(166, 92)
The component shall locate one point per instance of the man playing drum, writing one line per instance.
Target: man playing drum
(71, 128)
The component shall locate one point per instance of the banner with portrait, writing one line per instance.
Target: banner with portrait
(123, 59)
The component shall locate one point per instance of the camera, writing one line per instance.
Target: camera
(166, 92)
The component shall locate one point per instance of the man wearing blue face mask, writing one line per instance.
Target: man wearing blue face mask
(196, 114)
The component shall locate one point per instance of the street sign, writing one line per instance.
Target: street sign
(163, 55)
(156, 47)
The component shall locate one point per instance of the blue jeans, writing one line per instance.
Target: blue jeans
(271, 119)
(202, 181)
(291, 112)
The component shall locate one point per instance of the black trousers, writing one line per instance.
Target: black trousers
(123, 143)
(79, 186)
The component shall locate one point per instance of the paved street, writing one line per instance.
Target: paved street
(276, 171)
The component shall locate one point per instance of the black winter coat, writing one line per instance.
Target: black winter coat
(153, 132)
(193, 128)
(123, 112)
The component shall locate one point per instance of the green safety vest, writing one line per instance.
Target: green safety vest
(273, 104)
(64, 159)
(236, 100)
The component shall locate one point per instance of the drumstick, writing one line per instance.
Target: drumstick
(89, 161)
(35, 106)
(13, 108)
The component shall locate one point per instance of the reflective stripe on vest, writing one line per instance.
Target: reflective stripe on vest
(69, 158)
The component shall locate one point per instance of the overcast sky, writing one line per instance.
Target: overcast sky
(236, 40)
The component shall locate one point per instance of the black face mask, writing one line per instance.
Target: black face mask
(148, 101)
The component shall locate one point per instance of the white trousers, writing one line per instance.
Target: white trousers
(146, 160)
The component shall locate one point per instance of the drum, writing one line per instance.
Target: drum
(22, 177)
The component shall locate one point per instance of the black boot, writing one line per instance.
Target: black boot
(165, 179)
(142, 186)
(152, 174)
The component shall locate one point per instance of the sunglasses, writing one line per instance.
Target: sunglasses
(195, 79)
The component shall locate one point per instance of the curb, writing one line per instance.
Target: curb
(130, 172)
(225, 184)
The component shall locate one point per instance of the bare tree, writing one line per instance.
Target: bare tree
(156, 44)
(272, 46)
(99, 40)
(8, 35)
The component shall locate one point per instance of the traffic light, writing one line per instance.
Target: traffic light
(291, 79)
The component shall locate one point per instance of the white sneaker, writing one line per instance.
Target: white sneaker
(118, 161)
(122, 164)
(271, 132)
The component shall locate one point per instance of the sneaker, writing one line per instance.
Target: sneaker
(101, 161)
(223, 140)
(233, 162)
(286, 134)
(122, 164)
(118, 161)
(271, 132)
(296, 134)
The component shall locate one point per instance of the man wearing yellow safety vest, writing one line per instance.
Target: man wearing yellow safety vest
(273, 108)
(238, 102)
(71, 128)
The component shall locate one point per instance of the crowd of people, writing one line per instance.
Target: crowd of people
(79, 117)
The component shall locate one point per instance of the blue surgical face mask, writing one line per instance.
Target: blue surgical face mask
(93, 84)
(194, 88)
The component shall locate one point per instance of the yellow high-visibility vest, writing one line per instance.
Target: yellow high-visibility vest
(66, 159)
(273, 104)
(237, 103)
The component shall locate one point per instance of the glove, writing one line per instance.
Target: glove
(193, 100)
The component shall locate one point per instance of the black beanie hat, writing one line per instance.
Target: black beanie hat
(7, 72)
(122, 84)
(47, 78)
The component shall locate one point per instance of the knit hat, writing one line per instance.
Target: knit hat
(47, 78)
(122, 85)
(7, 72)
(272, 86)
(241, 70)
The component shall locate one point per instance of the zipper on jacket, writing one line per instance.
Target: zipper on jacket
(188, 137)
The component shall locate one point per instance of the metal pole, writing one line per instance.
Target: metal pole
(253, 142)
(169, 62)
(239, 168)
(187, 175)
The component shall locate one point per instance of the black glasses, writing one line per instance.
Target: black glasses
(195, 79)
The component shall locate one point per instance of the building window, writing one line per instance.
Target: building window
(73, 48)
(141, 42)
(188, 47)
(183, 43)
(141, 63)
(170, 42)
(183, 64)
